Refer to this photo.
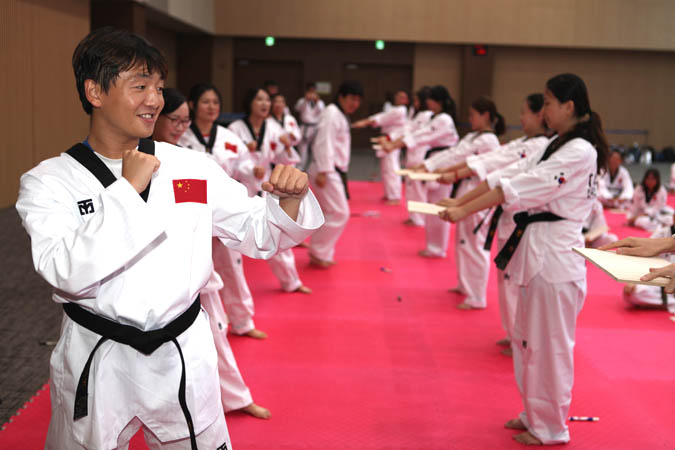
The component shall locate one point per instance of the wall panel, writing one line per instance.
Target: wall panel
(627, 24)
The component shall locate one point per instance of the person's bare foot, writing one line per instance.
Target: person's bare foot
(303, 290)
(526, 438)
(257, 411)
(515, 424)
(427, 254)
(393, 202)
(507, 351)
(320, 262)
(506, 342)
(456, 290)
(410, 223)
(256, 334)
(465, 306)
(303, 245)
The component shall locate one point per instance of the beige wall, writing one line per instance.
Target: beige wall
(628, 24)
(630, 90)
(438, 64)
(41, 115)
(196, 13)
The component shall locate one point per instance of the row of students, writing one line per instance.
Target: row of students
(552, 193)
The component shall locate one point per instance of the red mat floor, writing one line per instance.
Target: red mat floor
(379, 359)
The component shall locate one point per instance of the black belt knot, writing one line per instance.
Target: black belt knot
(522, 219)
(145, 342)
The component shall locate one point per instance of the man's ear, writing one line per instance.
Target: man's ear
(93, 92)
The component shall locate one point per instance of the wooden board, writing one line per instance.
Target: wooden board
(623, 268)
(424, 208)
(424, 176)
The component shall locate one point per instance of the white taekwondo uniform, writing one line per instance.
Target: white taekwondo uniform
(515, 151)
(552, 279)
(439, 132)
(330, 154)
(270, 150)
(232, 155)
(472, 261)
(413, 189)
(309, 112)
(596, 219)
(644, 295)
(230, 152)
(619, 187)
(389, 121)
(650, 215)
(142, 265)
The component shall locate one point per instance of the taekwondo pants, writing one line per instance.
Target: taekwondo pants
(606, 238)
(416, 191)
(508, 301)
(283, 266)
(335, 209)
(389, 164)
(236, 296)
(473, 263)
(543, 354)
(305, 145)
(214, 436)
(234, 394)
(437, 231)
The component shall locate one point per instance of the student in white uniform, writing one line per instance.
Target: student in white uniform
(554, 195)
(289, 125)
(649, 209)
(501, 223)
(615, 186)
(595, 221)
(234, 394)
(268, 142)
(135, 350)
(309, 108)
(440, 133)
(652, 297)
(228, 150)
(471, 258)
(328, 171)
(390, 121)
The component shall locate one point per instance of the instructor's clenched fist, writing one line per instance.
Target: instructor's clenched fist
(287, 182)
(138, 167)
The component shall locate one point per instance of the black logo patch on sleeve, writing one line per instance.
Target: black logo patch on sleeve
(223, 447)
(86, 206)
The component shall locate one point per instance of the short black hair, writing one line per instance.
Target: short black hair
(172, 100)
(106, 52)
(310, 85)
(269, 83)
(350, 87)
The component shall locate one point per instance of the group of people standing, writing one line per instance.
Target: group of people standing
(138, 235)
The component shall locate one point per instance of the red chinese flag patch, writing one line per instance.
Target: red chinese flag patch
(231, 147)
(189, 191)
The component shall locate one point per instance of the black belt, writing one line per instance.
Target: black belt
(343, 177)
(455, 188)
(493, 227)
(433, 150)
(482, 221)
(310, 124)
(522, 219)
(145, 342)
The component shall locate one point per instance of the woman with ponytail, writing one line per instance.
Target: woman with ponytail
(471, 259)
(554, 195)
(531, 145)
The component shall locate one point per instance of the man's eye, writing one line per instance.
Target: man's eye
(160, 89)
(141, 87)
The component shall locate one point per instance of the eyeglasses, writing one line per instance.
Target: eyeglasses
(176, 121)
